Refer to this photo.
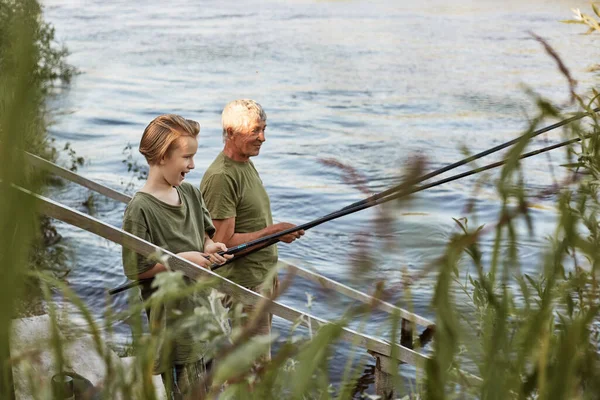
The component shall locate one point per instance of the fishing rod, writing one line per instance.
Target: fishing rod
(391, 197)
(266, 241)
(373, 200)
(475, 157)
(431, 175)
(272, 239)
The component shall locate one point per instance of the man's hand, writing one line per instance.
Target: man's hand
(290, 237)
(226, 232)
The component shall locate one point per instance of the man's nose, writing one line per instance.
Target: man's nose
(261, 136)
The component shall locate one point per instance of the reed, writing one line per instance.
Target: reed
(527, 337)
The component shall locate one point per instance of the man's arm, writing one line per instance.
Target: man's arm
(226, 232)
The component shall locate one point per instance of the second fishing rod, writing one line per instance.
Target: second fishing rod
(372, 200)
(266, 241)
(394, 196)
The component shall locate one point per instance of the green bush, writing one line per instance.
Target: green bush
(31, 65)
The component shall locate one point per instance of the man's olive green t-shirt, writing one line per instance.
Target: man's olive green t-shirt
(176, 229)
(234, 189)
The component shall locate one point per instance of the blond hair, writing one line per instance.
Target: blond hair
(161, 134)
(238, 115)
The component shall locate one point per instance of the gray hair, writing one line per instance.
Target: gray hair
(238, 115)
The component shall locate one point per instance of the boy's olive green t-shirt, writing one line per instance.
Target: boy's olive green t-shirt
(234, 189)
(176, 229)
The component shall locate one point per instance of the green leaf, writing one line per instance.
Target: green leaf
(533, 283)
(570, 304)
(572, 21)
(572, 165)
(242, 358)
(461, 224)
(312, 356)
(596, 10)
(232, 392)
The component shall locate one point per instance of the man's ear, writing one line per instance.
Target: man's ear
(229, 133)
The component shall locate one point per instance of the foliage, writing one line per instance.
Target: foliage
(526, 337)
(136, 170)
(20, 122)
(45, 68)
(49, 66)
(586, 19)
(30, 65)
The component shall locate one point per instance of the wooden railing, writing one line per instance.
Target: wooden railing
(325, 282)
(380, 349)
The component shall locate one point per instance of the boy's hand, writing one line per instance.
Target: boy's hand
(212, 250)
(197, 258)
(215, 258)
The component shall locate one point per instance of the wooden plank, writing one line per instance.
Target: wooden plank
(73, 217)
(328, 283)
(73, 177)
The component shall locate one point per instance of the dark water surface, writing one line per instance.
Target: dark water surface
(370, 84)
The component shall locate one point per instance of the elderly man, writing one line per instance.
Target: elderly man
(237, 200)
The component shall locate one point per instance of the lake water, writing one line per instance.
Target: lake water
(370, 84)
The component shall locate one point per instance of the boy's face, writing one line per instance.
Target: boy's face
(179, 161)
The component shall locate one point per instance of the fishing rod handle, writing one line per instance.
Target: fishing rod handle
(215, 266)
(133, 284)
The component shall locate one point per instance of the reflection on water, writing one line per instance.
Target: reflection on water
(367, 83)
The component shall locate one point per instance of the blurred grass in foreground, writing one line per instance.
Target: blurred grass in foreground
(526, 336)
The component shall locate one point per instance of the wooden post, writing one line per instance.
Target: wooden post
(406, 334)
(386, 367)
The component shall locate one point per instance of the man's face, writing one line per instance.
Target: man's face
(247, 142)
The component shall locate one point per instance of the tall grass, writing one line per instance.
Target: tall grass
(527, 337)
(20, 119)
(30, 64)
